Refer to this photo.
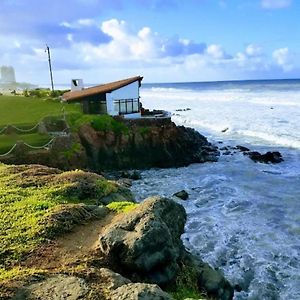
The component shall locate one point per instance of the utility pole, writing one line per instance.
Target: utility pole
(50, 68)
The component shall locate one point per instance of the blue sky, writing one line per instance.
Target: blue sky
(162, 40)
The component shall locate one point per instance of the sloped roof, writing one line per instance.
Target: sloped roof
(100, 89)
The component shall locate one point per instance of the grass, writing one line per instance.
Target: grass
(186, 285)
(20, 110)
(33, 139)
(29, 198)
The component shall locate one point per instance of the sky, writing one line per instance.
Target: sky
(162, 40)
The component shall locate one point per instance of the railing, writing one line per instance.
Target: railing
(127, 106)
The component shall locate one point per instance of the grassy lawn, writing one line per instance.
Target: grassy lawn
(19, 110)
(33, 139)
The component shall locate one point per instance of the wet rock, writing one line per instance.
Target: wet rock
(225, 129)
(134, 175)
(145, 243)
(139, 291)
(226, 152)
(269, 157)
(242, 148)
(182, 195)
(214, 283)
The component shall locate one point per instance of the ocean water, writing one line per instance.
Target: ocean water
(243, 217)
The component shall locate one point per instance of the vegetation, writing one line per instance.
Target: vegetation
(98, 122)
(122, 206)
(186, 285)
(19, 110)
(29, 198)
(33, 139)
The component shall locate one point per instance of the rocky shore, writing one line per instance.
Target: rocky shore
(136, 144)
(100, 252)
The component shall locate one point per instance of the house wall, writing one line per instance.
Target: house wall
(130, 91)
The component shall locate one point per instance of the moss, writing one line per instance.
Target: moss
(186, 285)
(122, 206)
(18, 273)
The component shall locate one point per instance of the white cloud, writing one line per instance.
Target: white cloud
(275, 4)
(215, 51)
(253, 50)
(282, 58)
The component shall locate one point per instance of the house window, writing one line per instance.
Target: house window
(127, 106)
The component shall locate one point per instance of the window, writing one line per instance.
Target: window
(127, 106)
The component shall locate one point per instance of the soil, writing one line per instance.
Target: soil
(71, 248)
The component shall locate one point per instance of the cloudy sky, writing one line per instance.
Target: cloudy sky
(162, 40)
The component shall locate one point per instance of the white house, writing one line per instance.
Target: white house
(115, 98)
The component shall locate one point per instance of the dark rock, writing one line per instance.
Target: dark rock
(225, 129)
(269, 157)
(223, 149)
(215, 284)
(145, 243)
(139, 291)
(242, 148)
(209, 280)
(146, 145)
(227, 152)
(182, 195)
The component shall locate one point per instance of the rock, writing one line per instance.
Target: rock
(146, 242)
(209, 280)
(111, 279)
(148, 143)
(225, 129)
(56, 287)
(242, 148)
(134, 175)
(269, 157)
(139, 291)
(214, 283)
(182, 195)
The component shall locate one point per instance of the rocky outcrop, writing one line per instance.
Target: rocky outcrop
(269, 157)
(145, 245)
(152, 145)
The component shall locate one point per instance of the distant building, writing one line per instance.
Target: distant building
(7, 75)
(114, 98)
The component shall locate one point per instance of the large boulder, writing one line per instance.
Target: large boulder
(145, 243)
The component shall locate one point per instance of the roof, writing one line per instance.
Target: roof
(100, 89)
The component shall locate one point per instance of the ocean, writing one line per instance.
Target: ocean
(243, 217)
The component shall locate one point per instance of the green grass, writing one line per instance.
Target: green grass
(122, 206)
(19, 110)
(33, 139)
(29, 197)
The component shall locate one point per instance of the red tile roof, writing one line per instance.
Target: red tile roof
(100, 89)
